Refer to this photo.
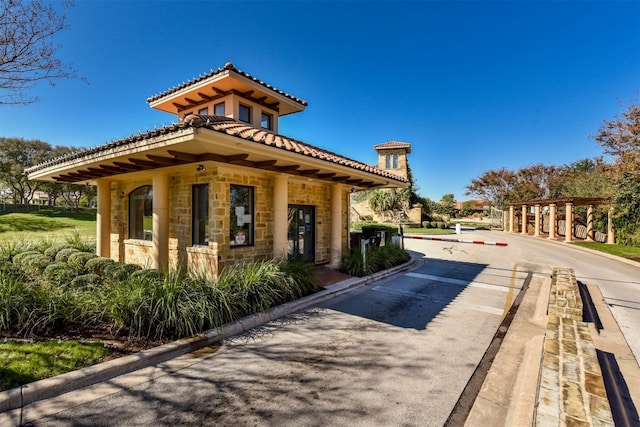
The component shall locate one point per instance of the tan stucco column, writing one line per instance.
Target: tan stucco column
(512, 219)
(336, 225)
(160, 220)
(103, 219)
(524, 220)
(536, 232)
(568, 222)
(611, 237)
(552, 221)
(280, 209)
(590, 223)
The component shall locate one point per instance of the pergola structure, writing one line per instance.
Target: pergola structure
(510, 223)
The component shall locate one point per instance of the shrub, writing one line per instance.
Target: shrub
(26, 307)
(118, 271)
(33, 265)
(18, 258)
(83, 281)
(426, 224)
(357, 225)
(98, 265)
(303, 275)
(378, 258)
(52, 251)
(60, 273)
(79, 259)
(434, 224)
(148, 275)
(80, 242)
(64, 254)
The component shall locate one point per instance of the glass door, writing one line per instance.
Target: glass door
(301, 232)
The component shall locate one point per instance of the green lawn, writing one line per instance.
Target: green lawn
(408, 230)
(618, 250)
(47, 224)
(23, 362)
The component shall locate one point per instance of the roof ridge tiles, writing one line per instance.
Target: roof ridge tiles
(227, 67)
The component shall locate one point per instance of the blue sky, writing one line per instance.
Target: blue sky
(472, 86)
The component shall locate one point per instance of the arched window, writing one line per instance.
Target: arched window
(141, 213)
(395, 161)
(387, 161)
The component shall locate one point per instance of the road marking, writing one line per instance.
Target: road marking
(509, 300)
(461, 282)
(448, 301)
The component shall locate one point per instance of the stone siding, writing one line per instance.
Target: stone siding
(210, 259)
(571, 389)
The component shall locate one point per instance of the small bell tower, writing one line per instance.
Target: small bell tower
(392, 156)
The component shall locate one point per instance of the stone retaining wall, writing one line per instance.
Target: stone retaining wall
(571, 390)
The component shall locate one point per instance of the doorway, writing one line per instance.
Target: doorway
(301, 232)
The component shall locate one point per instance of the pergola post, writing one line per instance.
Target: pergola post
(611, 238)
(568, 234)
(524, 220)
(103, 219)
(552, 221)
(590, 231)
(160, 220)
(280, 222)
(512, 219)
(536, 232)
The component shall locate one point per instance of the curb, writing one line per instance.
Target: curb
(51, 387)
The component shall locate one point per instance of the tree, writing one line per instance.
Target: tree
(27, 50)
(448, 205)
(587, 178)
(16, 154)
(621, 138)
(494, 185)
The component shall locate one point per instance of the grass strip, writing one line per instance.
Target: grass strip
(23, 362)
(617, 250)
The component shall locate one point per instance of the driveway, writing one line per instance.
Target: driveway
(397, 352)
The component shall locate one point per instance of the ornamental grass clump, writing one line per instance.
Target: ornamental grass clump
(256, 286)
(170, 306)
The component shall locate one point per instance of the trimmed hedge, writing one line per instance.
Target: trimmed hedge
(35, 264)
(53, 250)
(60, 273)
(99, 265)
(90, 280)
(79, 259)
(64, 254)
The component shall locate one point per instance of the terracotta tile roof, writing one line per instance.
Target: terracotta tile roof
(393, 144)
(227, 67)
(231, 127)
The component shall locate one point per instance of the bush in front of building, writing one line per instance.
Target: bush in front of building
(376, 259)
